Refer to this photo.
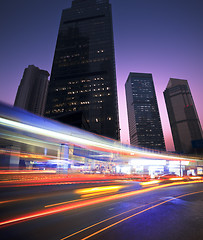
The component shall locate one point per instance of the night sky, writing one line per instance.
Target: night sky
(162, 37)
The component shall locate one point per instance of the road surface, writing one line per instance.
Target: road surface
(121, 210)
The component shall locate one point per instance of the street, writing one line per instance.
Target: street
(115, 210)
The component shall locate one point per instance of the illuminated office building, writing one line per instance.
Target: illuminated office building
(32, 91)
(143, 114)
(184, 121)
(83, 74)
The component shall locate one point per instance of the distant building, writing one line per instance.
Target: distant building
(83, 76)
(143, 114)
(184, 121)
(32, 91)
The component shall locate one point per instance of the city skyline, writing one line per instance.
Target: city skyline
(164, 39)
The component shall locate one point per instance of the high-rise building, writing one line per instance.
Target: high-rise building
(83, 74)
(143, 114)
(184, 121)
(32, 91)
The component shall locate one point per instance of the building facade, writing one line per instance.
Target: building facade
(32, 91)
(83, 74)
(184, 121)
(143, 114)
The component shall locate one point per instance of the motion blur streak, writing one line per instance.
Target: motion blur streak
(196, 177)
(51, 184)
(87, 192)
(24, 155)
(5, 172)
(47, 178)
(150, 182)
(87, 203)
(12, 200)
(176, 179)
(89, 142)
(124, 219)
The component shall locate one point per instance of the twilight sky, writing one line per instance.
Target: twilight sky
(162, 37)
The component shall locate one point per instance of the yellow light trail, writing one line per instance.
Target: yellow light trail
(88, 192)
(176, 179)
(150, 182)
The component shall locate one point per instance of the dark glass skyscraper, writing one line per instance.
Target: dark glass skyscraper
(184, 121)
(32, 91)
(83, 74)
(143, 114)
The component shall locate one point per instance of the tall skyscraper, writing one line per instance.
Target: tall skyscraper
(184, 121)
(32, 91)
(83, 74)
(143, 114)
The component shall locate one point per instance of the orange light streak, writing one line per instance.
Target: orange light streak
(6, 172)
(52, 184)
(25, 155)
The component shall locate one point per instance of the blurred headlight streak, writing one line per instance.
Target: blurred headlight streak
(150, 183)
(195, 177)
(88, 192)
(176, 179)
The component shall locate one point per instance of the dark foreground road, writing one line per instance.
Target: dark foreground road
(169, 213)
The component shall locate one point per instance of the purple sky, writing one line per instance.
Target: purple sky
(162, 37)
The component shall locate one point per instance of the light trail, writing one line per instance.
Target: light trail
(87, 203)
(25, 155)
(195, 177)
(88, 192)
(24, 172)
(176, 179)
(12, 200)
(150, 182)
(102, 144)
(53, 183)
(133, 215)
(29, 180)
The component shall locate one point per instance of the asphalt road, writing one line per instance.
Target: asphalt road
(131, 212)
